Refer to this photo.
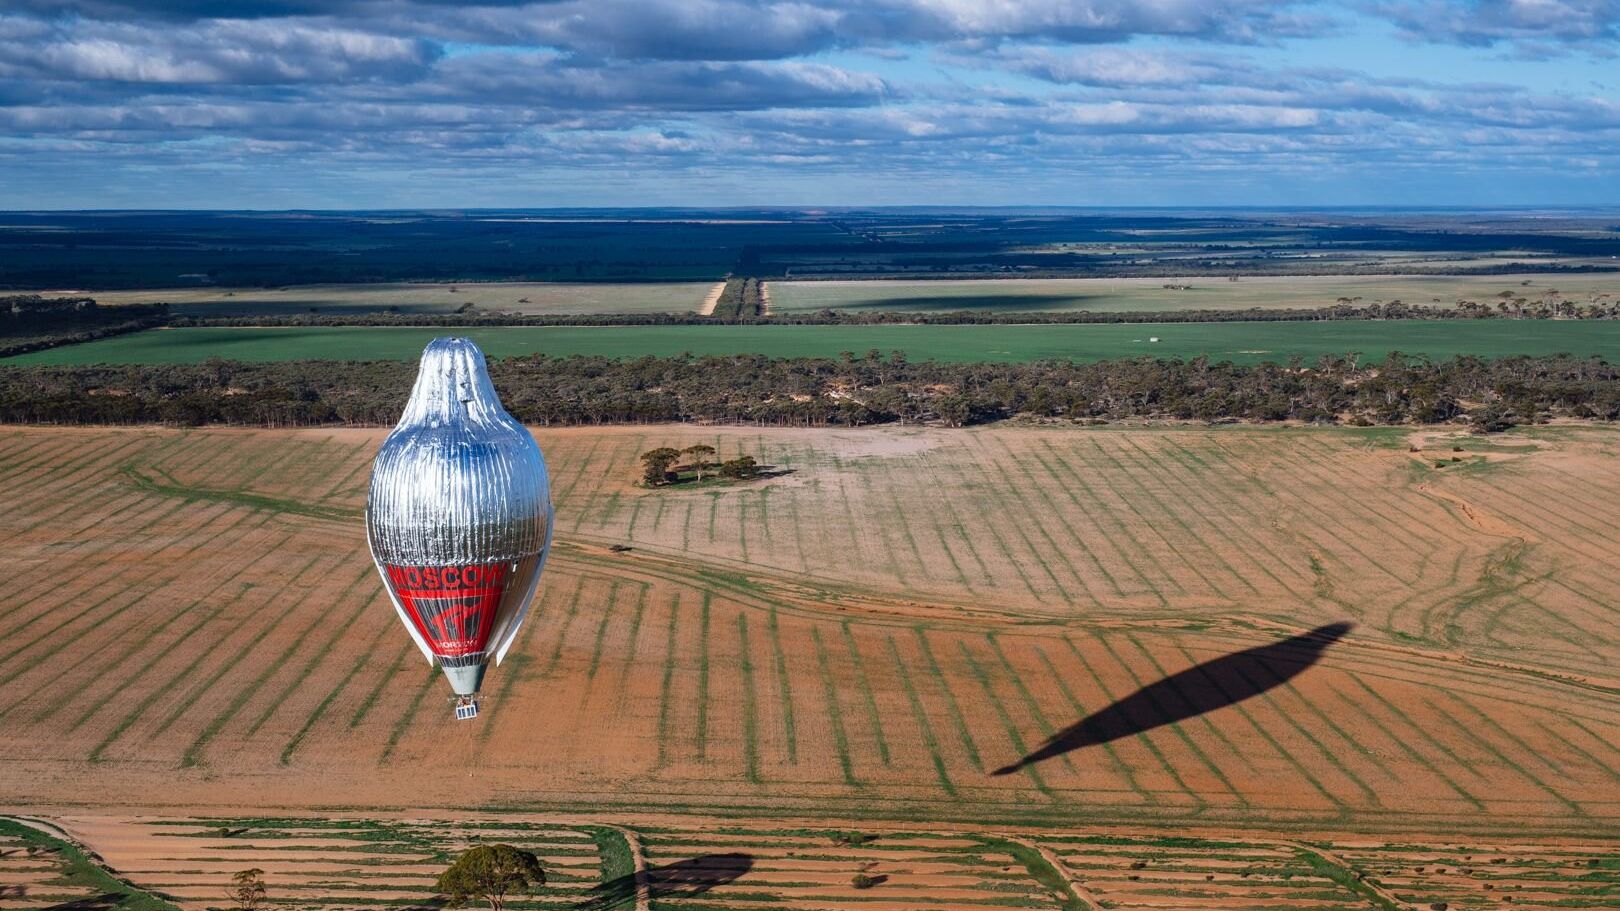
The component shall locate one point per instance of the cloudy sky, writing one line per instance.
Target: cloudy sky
(412, 103)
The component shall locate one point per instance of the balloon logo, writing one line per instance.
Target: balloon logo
(459, 518)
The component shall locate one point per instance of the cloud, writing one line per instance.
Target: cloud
(754, 96)
(215, 52)
(1539, 25)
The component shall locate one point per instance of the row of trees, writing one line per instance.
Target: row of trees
(29, 322)
(742, 299)
(731, 308)
(660, 467)
(820, 391)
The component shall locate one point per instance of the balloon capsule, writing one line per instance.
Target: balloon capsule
(459, 518)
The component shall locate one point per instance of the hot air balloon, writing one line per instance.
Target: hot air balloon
(459, 518)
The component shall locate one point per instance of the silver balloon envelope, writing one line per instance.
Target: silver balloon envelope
(459, 517)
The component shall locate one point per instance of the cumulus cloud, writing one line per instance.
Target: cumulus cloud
(218, 52)
(775, 93)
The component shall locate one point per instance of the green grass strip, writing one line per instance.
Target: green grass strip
(866, 691)
(957, 719)
(702, 729)
(834, 714)
(785, 687)
(404, 721)
(668, 682)
(930, 742)
(361, 710)
(1327, 869)
(238, 497)
(1011, 727)
(1040, 869)
(78, 870)
(618, 888)
(326, 703)
(750, 702)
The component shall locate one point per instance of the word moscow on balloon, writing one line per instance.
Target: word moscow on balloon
(459, 518)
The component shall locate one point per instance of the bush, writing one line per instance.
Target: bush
(741, 468)
(867, 880)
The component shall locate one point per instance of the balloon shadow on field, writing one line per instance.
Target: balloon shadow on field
(1195, 691)
(681, 879)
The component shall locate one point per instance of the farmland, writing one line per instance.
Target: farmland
(1237, 342)
(571, 298)
(349, 862)
(1183, 293)
(873, 635)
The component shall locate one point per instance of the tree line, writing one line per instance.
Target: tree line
(731, 312)
(29, 322)
(754, 389)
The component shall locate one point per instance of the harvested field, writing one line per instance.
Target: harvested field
(1199, 292)
(1170, 872)
(570, 298)
(344, 863)
(881, 634)
(329, 864)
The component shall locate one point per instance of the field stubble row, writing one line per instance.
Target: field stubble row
(871, 635)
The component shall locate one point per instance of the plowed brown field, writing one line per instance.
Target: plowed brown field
(192, 621)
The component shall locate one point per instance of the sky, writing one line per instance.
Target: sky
(308, 104)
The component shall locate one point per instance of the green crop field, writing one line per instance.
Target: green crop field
(1196, 293)
(1238, 342)
(569, 298)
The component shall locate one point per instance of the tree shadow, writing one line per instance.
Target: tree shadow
(681, 879)
(100, 902)
(1202, 688)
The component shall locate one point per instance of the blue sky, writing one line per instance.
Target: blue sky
(400, 104)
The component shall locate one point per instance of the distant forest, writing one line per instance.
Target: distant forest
(1489, 394)
(112, 250)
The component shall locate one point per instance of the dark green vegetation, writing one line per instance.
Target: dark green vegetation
(104, 250)
(849, 391)
(1248, 343)
(76, 880)
(489, 873)
(740, 300)
(29, 322)
(1559, 309)
(661, 467)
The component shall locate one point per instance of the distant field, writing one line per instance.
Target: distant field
(1150, 294)
(867, 638)
(1237, 342)
(507, 297)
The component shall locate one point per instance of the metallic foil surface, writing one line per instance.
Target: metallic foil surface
(459, 516)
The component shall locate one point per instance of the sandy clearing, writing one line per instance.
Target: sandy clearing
(711, 299)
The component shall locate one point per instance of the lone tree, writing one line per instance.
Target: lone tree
(700, 455)
(489, 872)
(247, 890)
(656, 462)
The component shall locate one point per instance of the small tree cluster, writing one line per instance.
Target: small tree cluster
(663, 465)
(741, 468)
